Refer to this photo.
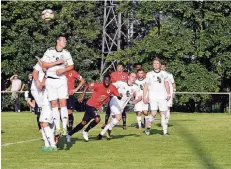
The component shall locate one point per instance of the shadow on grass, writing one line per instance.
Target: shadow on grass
(155, 131)
(196, 146)
(159, 125)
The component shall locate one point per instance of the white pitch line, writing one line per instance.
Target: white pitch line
(35, 139)
(19, 142)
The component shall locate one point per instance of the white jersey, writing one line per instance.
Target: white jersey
(156, 87)
(170, 81)
(52, 55)
(140, 83)
(41, 75)
(127, 93)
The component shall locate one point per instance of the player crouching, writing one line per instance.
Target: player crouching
(100, 95)
(128, 90)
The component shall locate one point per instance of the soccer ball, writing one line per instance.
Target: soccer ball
(47, 15)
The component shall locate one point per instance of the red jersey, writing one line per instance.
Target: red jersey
(71, 77)
(116, 76)
(101, 94)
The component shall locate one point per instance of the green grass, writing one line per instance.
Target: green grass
(197, 141)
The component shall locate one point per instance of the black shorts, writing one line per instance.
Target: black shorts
(71, 105)
(30, 96)
(91, 113)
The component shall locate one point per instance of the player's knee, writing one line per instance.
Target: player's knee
(84, 123)
(43, 125)
(97, 119)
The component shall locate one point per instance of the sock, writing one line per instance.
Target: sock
(139, 120)
(163, 123)
(56, 116)
(109, 126)
(167, 116)
(76, 129)
(70, 122)
(107, 115)
(64, 116)
(39, 127)
(147, 124)
(124, 116)
(45, 139)
(49, 135)
(91, 125)
(151, 118)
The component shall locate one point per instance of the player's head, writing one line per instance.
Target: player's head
(138, 66)
(140, 73)
(132, 77)
(61, 41)
(106, 80)
(156, 63)
(163, 66)
(30, 76)
(16, 76)
(120, 67)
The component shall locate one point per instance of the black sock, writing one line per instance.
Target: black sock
(107, 115)
(76, 129)
(91, 125)
(70, 122)
(109, 132)
(39, 127)
(124, 116)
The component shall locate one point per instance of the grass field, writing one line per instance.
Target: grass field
(197, 141)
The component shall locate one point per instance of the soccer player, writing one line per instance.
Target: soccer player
(141, 106)
(100, 95)
(128, 90)
(172, 89)
(158, 90)
(56, 82)
(118, 75)
(72, 76)
(46, 117)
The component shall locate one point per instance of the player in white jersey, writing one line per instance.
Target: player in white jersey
(172, 90)
(56, 82)
(141, 106)
(157, 88)
(46, 118)
(128, 90)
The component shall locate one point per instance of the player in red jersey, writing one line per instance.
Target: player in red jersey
(118, 75)
(72, 76)
(101, 94)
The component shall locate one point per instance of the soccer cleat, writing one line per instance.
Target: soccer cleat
(58, 132)
(46, 149)
(99, 137)
(68, 138)
(64, 132)
(166, 134)
(54, 148)
(85, 135)
(108, 135)
(124, 127)
(147, 131)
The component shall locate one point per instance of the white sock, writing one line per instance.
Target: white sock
(167, 116)
(64, 116)
(56, 116)
(109, 126)
(105, 129)
(139, 120)
(45, 139)
(148, 124)
(164, 123)
(151, 118)
(50, 136)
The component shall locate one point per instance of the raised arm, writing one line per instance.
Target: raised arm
(83, 93)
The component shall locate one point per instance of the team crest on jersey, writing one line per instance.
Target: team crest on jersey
(123, 77)
(162, 76)
(70, 74)
(108, 91)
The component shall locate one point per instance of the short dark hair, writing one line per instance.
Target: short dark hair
(131, 73)
(105, 76)
(164, 63)
(140, 70)
(138, 64)
(65, 35)
(120, 63)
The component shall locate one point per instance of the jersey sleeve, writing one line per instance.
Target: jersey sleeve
(171, 79)
(117, 84)
(147, 79)
(114, 91)
(93, 86)
(47, 55)
(69, 59)
(77, 75)
(38, 67)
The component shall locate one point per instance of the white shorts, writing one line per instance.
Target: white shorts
(46, 114)
(57, 89)
(141, 106)
(170, 102)
(115, 110)
(38, 97)
(158, 104)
